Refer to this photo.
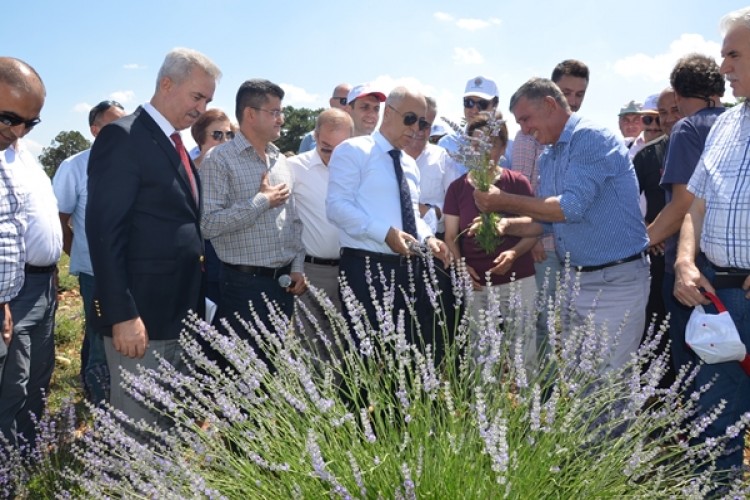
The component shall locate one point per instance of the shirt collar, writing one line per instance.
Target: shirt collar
(162, 122)
(568, 129)
(381, 141)
(241, 142)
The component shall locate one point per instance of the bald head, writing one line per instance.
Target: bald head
(22, 96)
(332, 127)
(339, 95)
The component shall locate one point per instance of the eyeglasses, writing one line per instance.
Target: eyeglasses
(218, 135)
(276, 113)
(13, 120)
(482, 104)
(410, 118)
(101, 108)
(342, 100)
(649, 119)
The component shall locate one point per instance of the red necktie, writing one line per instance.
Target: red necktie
(185, 163)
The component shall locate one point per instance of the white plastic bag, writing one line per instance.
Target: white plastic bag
(714, 337)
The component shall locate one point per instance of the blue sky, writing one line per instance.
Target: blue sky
(90, 51)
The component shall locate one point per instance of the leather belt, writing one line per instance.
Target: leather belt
(267, 272)
(28, 268)
(324, 262)
(731, 270)
(588, 269)
(391, 258)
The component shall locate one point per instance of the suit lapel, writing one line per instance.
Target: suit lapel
(166, 145)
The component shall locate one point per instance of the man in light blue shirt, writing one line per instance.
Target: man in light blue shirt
(70, 189)
(588, 199)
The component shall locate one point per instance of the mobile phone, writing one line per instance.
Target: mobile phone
(725, 279)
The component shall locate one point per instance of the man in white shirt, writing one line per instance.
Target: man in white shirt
(319, 237)
(370, 185)
(69, 184)
(21, 99)
(31, 354)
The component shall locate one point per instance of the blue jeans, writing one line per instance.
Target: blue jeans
(238, 289)
(732, 384)
(31, 357)
(679, 315)
(93, 358)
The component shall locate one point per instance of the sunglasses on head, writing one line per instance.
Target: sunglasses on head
(218, 135)
(482, 104)
(649, 119)
(13, 120)
(410, 118)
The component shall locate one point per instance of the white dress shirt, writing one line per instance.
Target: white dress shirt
(363, 193)
(43, 236)
(319, 237)
(436, 172)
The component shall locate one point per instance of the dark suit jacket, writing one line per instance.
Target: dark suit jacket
(143, 228)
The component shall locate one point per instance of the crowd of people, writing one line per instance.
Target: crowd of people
(646, 223)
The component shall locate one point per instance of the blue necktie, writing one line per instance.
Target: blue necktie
(408, 222)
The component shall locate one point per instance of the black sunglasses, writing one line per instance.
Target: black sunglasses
(649, 119)
(218, 135)
(482, 104)
(101, 108)
(410, 118)
(342, 100)
(13, 120)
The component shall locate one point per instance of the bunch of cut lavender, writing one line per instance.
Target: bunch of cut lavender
(474, 152)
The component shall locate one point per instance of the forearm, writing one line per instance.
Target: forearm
(690, 233)
(670, 219)
(541, 209)
(524, 245)
(522, 227)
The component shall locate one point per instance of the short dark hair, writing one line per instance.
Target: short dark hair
(482, 119)
(696, 75)
(254, 93)
(100, 108)
(537, 89)
(572, 67)
(199, 128)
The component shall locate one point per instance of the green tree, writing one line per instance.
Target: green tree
(64, 145)
(297, 122)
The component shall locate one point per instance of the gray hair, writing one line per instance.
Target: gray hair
(396, 96)
(180, 61)
(740, 17)
(431, 104)
(537, 89)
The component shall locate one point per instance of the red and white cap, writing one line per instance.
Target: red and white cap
(363, 90)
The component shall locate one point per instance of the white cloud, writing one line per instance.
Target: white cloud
(467, 56)
(657, 68)
(133, 66)
(297, 96)
(467, 23)
(123, 96)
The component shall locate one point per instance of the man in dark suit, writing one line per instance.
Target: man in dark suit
(143, 224)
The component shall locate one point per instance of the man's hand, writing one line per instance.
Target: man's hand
(440, 250)
(398, 241)
(489, 201)
(7, 325)
(503, 262)
(277, 195)
(687, 281)
(299, 284)
(130, 338)
(476, 280)
(538, 253)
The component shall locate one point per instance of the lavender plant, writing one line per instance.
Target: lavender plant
(474, 152)
(353, 410)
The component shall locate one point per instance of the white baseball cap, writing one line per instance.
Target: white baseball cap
(481, 87)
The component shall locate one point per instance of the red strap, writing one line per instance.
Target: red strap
(745, 364)
(718, 304)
